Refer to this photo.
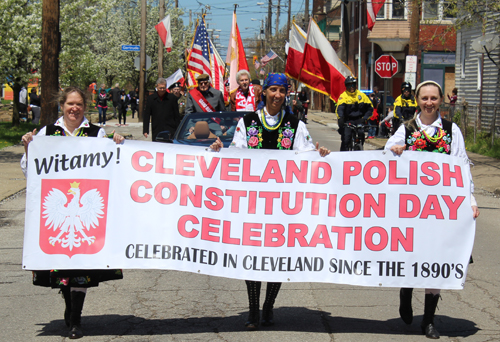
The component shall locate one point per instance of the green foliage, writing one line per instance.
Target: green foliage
(483, 144)
(471, 13)
(10, 135)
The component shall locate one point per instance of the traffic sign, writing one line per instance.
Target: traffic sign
(386, 66)
(137, 63)
(411, 64)
(131, 48)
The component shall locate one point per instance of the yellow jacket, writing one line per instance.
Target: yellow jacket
(353, 106)
(405, 108)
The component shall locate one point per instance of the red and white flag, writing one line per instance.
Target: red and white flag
(372, 7)
(175, 77)
(163, 29)
(235, 55)
(295, 51)
(218, 67)
(322, 69)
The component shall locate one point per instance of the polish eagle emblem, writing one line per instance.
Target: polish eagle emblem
(72, 220)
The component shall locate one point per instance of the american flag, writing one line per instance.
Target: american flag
(269, 57)
(257, 65)
(199, 58)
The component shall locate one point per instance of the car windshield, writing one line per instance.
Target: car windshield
(210, 126)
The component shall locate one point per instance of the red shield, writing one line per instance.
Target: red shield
(73, 216)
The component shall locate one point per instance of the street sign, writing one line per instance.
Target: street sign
(137, 63)
(386, 66)
(131, 48)
(411, 77)
(411, 64)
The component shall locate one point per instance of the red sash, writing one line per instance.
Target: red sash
(202, 102)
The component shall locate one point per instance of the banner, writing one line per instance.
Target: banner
(362, 218)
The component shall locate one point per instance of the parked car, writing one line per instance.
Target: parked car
(201, 129)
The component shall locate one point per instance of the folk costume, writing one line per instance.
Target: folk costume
(441, 136)
(72, 283)
(259, 130)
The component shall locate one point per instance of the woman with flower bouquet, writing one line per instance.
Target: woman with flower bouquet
(272, 127)
(427, 132)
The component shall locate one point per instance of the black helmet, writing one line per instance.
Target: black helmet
(406, 86)
(349, 80)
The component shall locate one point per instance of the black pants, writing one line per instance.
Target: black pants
(133, 109)
(346, 134)
(122, 112)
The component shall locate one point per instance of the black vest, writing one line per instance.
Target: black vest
(437, 146)
(270, 138)
(90, 131)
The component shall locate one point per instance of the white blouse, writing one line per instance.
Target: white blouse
(302, 140)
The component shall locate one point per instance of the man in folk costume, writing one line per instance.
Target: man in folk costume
(204, 98)
(245, 98)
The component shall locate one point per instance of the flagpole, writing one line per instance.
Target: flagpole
(304, 55)
(359, 46)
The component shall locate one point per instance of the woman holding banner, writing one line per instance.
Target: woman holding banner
(428, 132)
(272, 127)
(73, 284)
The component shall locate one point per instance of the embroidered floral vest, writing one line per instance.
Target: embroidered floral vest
(90, 131)
(441, 142)
(281, 138)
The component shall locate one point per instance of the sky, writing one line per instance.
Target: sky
(219, 16)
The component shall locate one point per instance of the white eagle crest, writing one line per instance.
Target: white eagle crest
(75, 218)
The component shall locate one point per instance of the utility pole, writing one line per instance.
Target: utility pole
(176, 3)
(50, 60)
(142, 72)
(161, 48)
(306, 13)
(289, 23)
(278, 17)
(414, 27)
(269, 20)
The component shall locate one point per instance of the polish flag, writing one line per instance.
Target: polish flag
(235, 55)
(322, 70)
(218, 67)
(163, 29)
(175, 77)
(295, 51)
(372, 7)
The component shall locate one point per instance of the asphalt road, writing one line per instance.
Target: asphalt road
(153, 305)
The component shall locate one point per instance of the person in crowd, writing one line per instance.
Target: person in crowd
(353, 107)
(373, 120)
(73, 284)
(35, 105)
(115, 97)
(386, 123)
(273, 120)
(433, 134)
(102, 106)
(133, 96)
(404, 106)
(122, 108)
(93, 91)
(204, 98)
(175, 89)
(163, 111)
(23, 103)
(454, 96)
(305, 102)
(245, 98)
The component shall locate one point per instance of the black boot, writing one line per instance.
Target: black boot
(427, 324)
(405, 310)
(65, 291)
(77, 299)
(253, 289)
(267, 309)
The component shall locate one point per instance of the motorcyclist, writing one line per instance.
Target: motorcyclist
(353, 107)
(404, 106)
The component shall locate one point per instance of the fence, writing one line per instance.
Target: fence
(483, 119)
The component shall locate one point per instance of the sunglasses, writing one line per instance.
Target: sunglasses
(203, 82)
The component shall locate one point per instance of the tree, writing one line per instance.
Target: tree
(20, 43)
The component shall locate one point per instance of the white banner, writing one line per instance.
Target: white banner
(362, 218)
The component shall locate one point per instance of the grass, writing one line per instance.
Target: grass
(6, 101)
(12, 135)
(483, 144)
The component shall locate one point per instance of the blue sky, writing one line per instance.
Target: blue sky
(219, 16)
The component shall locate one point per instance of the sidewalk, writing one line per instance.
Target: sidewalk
(486, 170)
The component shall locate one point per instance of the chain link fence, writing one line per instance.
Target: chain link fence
(474, 119)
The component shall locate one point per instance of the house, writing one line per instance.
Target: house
(478, 76)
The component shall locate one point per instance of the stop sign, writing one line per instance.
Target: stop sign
(386, 66)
